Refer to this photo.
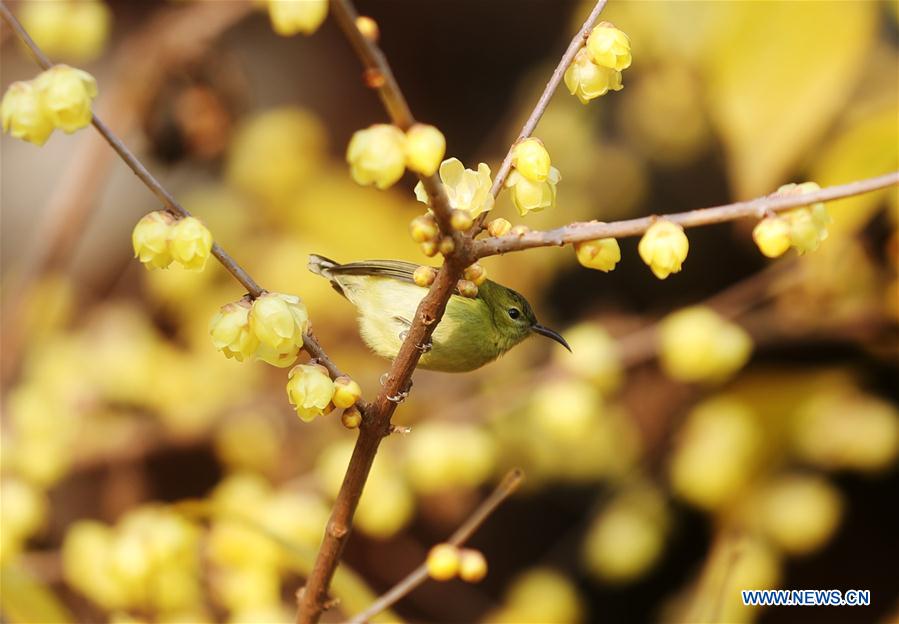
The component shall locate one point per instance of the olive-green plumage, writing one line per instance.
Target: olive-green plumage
(471, 333)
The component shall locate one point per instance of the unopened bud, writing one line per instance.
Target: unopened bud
(499, 227)
(424, 276)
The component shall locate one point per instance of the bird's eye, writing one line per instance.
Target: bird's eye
(514, 313)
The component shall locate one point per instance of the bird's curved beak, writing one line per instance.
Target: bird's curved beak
(549, 333)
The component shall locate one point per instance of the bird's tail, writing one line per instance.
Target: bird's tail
(321, 265)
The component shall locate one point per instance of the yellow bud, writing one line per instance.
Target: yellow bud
(424, 276)
(377, 155)
(351, 417)
(290, 17)
(279, 323)
(587, 80)
(530, 158)
(609, 47)
(425, 147)
(800, 513)
(601, 254)
(429, 248)
(23, 116)
(664, 248)
(461, 220)
(309, 390)
(466, 189)
(808, 225)
(446, 246)
(190, 243)
(529, 196)
(150, 239)
(424, 228)
(499, 227)
(772, 235)
(476, 273)
(519, 230)
(472, 565)
(443, 562)
(230, 331)
(66, 95)
(467, 288)
(697, 344)
(346, 392)
(369, 28)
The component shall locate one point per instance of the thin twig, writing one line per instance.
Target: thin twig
(419, 575)
(578, 232)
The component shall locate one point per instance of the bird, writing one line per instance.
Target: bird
(473, 331)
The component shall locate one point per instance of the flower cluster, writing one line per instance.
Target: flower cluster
(290, 17)
(533, 180)
(59, 98)
(159, 239)
(803, 228)
(270, 329)
(446, 561)
(597, 68)
(380, 154)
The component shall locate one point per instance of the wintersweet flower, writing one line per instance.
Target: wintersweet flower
(279, 323)
(697, 344)
(587, 80)
(346, 392)
(529, 196)
(377, 155)
(609, 47)
(772, 236)
(664, 248)
(23, 116)
(230, 331)
(425, 147)
(808, 225)
(443, 562)
(290, 17)
(150, 239)
(310, 390)
(66, 95)
(530, 159)
(601, 254)
(466, 189)
(190, 243)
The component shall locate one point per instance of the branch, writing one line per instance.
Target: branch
(310, 344)
(419, 575)
(759, 207)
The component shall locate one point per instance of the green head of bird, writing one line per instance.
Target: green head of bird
(472, 332)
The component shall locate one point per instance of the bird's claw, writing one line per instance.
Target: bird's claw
(424, 348)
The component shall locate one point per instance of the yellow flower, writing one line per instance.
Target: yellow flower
(377, 155)
(466, 189)
(309, 390)
(230, 331)
(587, 80)
(290, 17)
(499, 227)
(772, 235)
(664, 248)
(529, 196)
(278, 322)
(150, 239)
(531, 159)
(609, 47)
(190, 243)
(72, 30)
(697, 344)
(425, 147)
(472, 565)
(66, 96)
(601, 254)
(808, 225)
(443, 562)
(23, 116)
(346, 392)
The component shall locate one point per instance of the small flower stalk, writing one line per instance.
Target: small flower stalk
(291, 17)
(664, 248)
(310, 390)
(602, 254)
(597, 67)
(159, 239)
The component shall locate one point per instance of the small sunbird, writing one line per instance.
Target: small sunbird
(472, 332)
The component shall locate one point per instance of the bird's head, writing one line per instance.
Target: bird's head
(515, 318)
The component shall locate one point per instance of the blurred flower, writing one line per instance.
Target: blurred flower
(150, 239)
(249, 441)
(601, 254)
(808, 225)
(443, 562)
(23, 116)
(466, 189)
(594, 356)
(530, 159)
(310, 390)
(290, 17)
(529, 196)
(565, 409)
(537, 596)
(772, 235)
(425, 147)
(444, 455)
(66, 95)
(609, 47)
(377, 155)
(75, 30)
(190, 243)
(697, 344)
(230, 331)
(664, 248)
(587, 80)
(279, 323)
(22, 513)
(472, 565)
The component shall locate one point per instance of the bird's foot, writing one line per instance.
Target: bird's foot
(400, 396)
(424, 347)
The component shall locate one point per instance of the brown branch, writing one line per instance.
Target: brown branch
(419, 575)
(310, 345)
(578, 232)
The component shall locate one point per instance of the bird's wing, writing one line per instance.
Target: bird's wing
(378, 268)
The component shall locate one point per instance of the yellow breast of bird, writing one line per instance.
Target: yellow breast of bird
(386, 306)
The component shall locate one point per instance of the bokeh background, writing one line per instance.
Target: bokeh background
(145, 478)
